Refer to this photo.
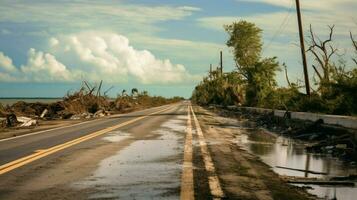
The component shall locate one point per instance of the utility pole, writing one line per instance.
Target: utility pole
(221, 62)
(302, 45)
(210, 71)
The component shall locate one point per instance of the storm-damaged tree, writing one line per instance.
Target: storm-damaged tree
(323, 52)
(246, 41)
(337, 84)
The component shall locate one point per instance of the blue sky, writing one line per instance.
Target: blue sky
(48, 47)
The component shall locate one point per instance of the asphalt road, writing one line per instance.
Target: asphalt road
(71, 162)
(16, 148)
(169, 152)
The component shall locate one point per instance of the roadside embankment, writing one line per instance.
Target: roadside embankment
(338, 120)
(325, 134)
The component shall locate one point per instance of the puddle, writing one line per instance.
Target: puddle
(116, 136)
(281, 151)
(146, 169)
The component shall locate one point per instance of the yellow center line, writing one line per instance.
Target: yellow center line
(187, 191)
(45, 152)
(213, 181)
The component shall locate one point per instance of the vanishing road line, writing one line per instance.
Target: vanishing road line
(213, 181)
(187, 191)
(45, 152)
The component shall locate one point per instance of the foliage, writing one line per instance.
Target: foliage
(254, 84)
(245, 39)
(223, 89)
(140, 100)
(260, 81)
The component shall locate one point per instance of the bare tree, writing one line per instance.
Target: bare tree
(286, 74)
(354, 43)
(322, 52)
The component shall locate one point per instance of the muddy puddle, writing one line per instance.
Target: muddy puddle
(280, 151)
(146, 169)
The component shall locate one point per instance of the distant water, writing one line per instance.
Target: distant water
(10, 101)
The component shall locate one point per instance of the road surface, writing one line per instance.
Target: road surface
(168, 152)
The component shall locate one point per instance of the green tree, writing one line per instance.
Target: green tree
(245, 39)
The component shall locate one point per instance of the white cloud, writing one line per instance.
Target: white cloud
(111, 57)
(94, 56)
(116, 16)
(6, 63)
(53, 41)
(189, 8)
(180, 49)
(44, 67)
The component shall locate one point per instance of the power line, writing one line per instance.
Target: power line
(281, 27)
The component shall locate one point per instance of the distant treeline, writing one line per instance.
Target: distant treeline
(253, 81)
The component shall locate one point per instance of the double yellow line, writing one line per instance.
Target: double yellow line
(45, 152)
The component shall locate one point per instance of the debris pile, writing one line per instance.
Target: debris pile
(88, 102)
(83, 104)
(323, 139)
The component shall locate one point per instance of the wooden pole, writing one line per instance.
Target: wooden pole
(221, 62)
(302, 45)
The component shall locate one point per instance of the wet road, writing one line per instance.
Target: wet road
(132, 156)
(169, 152)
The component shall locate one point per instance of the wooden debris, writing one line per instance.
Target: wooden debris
(321, 182)
(302, 170)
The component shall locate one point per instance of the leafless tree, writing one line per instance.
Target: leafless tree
(322, 52)
(286, 74)
(354, 43)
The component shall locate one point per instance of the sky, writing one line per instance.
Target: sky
(47, 48)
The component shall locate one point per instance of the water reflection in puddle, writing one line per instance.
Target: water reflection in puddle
(281, 151)
(147, 169)
(116, 136)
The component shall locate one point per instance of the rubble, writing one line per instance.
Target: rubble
(11, 120)
(3, 122)
(44, 113)
(85, 103)
(26, 121)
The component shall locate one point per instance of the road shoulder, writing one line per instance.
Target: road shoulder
(242, 175)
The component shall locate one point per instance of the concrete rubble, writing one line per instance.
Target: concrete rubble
(26, 121)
